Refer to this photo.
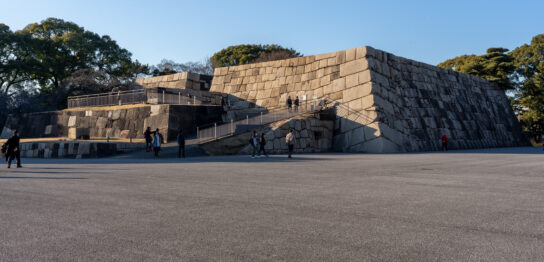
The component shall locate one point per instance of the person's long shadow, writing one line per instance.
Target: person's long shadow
(45, 178)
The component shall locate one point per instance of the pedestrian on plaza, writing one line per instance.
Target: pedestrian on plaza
(181, 144)
(262, 142)
(290, 140)
(289, 104)
(148, 139)
(445, 142)
(157, 142)
(297, 102)
(13, 150)
(254, 142)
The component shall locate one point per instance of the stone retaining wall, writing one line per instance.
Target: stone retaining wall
(185, 80)
(385, 103)
(313, 134)
(113, 122)
(76, 149)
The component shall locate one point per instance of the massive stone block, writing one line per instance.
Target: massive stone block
(383, 103)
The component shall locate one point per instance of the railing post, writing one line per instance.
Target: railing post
(261, 118)
(231, 126)
(215, 131)
(194, 100)
(247, 119)
(179, 98)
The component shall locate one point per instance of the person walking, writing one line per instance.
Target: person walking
(181, 144)
(445, 142)
(290, 140)
(148, 139)
(13, 149)
(297, 102)
(289, 104)
(262, 142)
(253, 141)
(157, 141)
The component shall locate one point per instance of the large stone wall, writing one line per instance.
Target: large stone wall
(113, 122)
(384, 103)
(185, 80)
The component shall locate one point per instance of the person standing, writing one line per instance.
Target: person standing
(253, 141)
(290, 140)
(157, 141)
(445, 142)
(13, 149)
(262, 142)
(297, 102)
(181, 144)
(148, 138)
(289, 104)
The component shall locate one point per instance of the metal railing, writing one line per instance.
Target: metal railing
(216, 130)
(178, 98)
(108, 99)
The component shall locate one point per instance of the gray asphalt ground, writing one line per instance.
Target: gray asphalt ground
(479, 205)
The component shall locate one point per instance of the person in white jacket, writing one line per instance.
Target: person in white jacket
(157, 142)
(290, 140)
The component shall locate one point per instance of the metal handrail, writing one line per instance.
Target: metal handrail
(240, 126)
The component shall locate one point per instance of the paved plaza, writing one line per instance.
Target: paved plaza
(478, 205)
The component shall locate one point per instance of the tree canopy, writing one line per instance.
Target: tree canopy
(66, 48)
(529, 78)
(520, 71)
(496, 66)
(244, 54)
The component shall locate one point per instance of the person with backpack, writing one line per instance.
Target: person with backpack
(13, 150)
(181, 144)
(262, 142)
(158, 140)
(253, 141)
(290, 140)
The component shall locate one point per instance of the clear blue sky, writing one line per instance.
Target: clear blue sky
(428, 31)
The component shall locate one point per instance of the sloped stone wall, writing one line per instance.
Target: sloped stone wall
(383, 103)
(417, 103)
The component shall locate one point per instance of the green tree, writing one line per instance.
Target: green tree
(529, 77)
(496, 66)
(17, 59)
(244, 54)
(67, 48)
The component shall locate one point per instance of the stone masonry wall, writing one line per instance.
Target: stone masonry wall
(115, 122)
(383, 103)
(417, 103)
(185, 80)
(313, 135)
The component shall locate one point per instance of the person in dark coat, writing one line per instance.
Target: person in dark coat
(13, 149)
(297, 102)
(262, 142)
(148, 138)
(181, 144)
(289, 103)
